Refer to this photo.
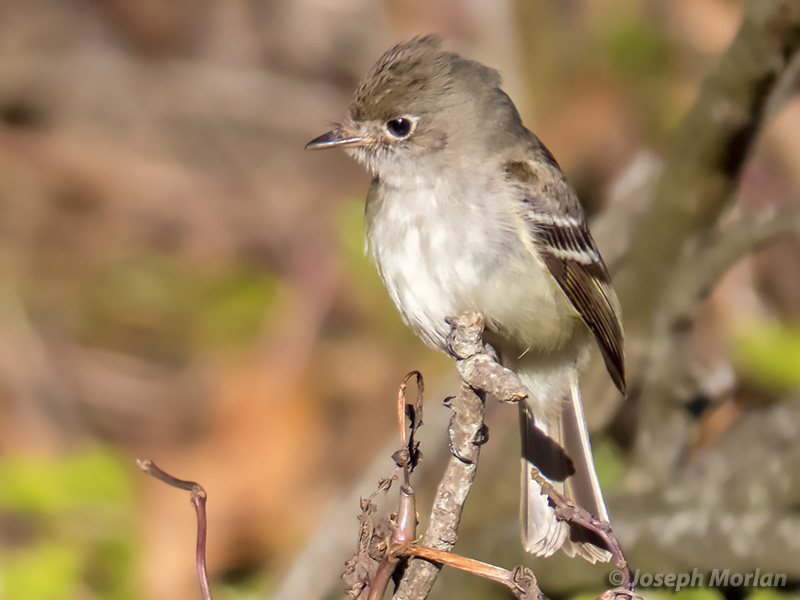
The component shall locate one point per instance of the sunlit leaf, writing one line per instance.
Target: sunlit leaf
(73, 513)
(44, 485)
(770, 353)
(45, 571)
(608, 463)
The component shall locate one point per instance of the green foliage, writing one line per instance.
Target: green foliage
(770, 594)
(770, 353)
(608, 462)
(697, 593)
(255, 586)
(72, 518)
(162, 308)
(44, 486)
(44, 571)
(232, 307)
(636, 48)
(689, 593)
(351, 227)
(694, 593)
(585, 596)
(358, 265)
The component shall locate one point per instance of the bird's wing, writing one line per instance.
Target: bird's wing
(559, 231)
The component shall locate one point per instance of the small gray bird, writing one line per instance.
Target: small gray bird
(469, 210)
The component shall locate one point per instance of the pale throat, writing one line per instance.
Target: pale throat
(409, 171)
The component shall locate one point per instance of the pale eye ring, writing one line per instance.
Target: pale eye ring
(401, 127)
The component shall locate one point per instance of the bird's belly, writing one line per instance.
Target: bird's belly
(426, 287)
(433, 272)
(525, 309)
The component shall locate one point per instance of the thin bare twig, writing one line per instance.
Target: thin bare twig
(361, 571)
(409, 456)
(521, 581)
(672, 360)
(467, 433)
(199, 497)
(402, 537)
(569, 511)
(376, 558)
(719, 250)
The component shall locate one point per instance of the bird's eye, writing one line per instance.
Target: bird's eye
(400, 128)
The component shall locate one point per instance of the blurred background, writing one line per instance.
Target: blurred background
(180, 281)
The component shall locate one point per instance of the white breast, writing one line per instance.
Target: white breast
(418, 259)
(443, 250)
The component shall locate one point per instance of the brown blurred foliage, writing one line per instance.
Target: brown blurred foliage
(179, 280)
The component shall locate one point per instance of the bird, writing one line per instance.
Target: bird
(469, 210)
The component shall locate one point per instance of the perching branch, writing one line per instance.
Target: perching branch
(477, 362)
(385, 545)
(467, 433)
(481, 374)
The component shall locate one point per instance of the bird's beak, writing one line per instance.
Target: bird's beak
(335, 138)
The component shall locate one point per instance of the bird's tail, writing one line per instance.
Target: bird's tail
(555, 441)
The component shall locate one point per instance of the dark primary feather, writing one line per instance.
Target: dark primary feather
(562, 235)
(589, 293)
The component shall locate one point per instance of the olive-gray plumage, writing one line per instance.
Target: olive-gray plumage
(469, 210)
